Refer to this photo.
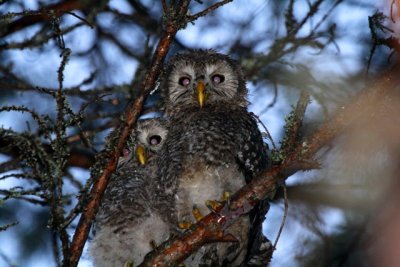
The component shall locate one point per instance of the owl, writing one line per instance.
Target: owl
(214, 145)
(127, 222)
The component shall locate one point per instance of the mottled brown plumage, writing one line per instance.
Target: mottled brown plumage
(128, 219)
(213, 145)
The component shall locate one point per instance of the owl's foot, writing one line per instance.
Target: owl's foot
(213, 205)
(128, 264)
(196, 214)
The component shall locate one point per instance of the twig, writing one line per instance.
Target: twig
(273, 101)
(80, 18)
(266, 130)
(286, 205)
(294, 122)
(60, 156)
(43, 15)
(5, 227)
(207, 10)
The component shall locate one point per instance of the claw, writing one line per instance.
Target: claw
(185, 225)
(128, 264)
(197, 214)
(213, 205)
(226, 196)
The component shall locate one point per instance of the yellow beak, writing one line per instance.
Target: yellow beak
(141, 154)
(201, 93)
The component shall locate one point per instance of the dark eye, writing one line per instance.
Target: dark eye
(184, 81)
(218, 78)
(155, 140)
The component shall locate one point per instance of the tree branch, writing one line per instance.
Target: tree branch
(43, 15)
(207, 10)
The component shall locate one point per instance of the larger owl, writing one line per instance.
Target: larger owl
(214, 145)
(128, 220)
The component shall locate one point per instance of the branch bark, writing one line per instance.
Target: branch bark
(211, 228)
(28, 20)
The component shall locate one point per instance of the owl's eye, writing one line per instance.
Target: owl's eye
(184, 81)
(218, 78)
(155, 140)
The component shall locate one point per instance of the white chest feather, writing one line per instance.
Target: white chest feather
(131, 244)
(201, 183)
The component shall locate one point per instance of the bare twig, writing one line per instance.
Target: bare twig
(5, 227)
(273, 101)
(43, 15)
(207, 10)
(286, 208)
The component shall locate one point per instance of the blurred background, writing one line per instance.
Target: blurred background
(344, 214)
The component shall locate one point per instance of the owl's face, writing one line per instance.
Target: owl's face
(145, 142)
(203, 78)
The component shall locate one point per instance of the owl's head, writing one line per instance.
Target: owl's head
(203, 78)
(145, 142)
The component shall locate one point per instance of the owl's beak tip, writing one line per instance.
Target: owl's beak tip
(141, 155)
(201, 93)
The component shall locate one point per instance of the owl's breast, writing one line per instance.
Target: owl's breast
(202, 182)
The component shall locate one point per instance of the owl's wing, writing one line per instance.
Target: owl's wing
(252, 159)
(252, 151)
(126, 198)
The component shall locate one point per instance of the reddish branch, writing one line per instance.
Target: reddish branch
(58, 9)
(212, 227)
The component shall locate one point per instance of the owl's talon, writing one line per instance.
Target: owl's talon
(128, 264)
(213, 205)
(197, 214)
(226, 196)
(185, 225)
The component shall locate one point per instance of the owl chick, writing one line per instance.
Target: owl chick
(127, 222)
(214, 145)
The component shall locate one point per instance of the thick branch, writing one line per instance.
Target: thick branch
(212, 227)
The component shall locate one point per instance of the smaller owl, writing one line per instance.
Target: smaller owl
(127, 222)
